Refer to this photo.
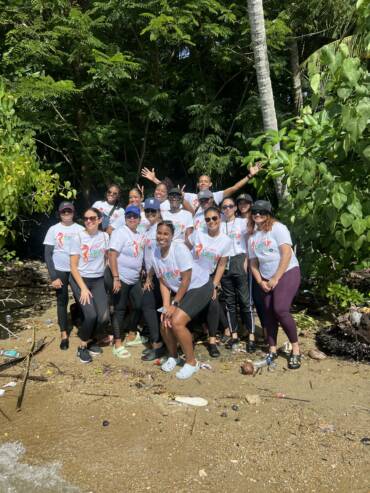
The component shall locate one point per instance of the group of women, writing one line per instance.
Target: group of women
(171, 259)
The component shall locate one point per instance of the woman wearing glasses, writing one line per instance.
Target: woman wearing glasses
(235, 281)
(88, 258)
(152, 294)
(125, 262)
(275, 268)
(210, 250)
(177, 273)
(57, 247)
(113, 215)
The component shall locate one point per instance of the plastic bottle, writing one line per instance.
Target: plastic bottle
(9, 353)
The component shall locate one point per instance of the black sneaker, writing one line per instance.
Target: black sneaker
(251, 347)
(64, 344)
(232, 343)
(294, 361)
(270, 358)
(94, 349)
(213, 351)
(154, 354)
(84, 355)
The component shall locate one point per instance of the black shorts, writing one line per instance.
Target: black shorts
(197, 299)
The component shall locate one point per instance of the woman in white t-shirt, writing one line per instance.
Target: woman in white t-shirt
(126, 252)
(177, 273)
(275, 268)
(180, 218)
(161, 194)
(235, 281)
(113, 215)
(88, 259)
(210, 250)
(136, 197)
(57, 247)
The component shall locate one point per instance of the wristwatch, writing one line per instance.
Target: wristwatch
(175, 303)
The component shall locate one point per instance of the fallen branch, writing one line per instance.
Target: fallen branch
(5, 415)
(23, 387)
(40, 345)
(10, 333)
(60, 372)
(100, 395)
(35, 378)
(193, 423)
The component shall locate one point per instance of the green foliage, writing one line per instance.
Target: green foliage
(24, 187)
(342, 297)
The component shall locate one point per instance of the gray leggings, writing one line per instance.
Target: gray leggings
(96, 313)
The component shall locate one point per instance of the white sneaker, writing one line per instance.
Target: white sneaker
(187, 371)
(170, 364)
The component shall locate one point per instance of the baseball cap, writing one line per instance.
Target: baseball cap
(205, 194)
(244, 196)
(133, 209)
(262, 205)
(152, 203)
(175, 191)
(65, 205)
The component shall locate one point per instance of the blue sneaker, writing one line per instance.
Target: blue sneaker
(84, 355)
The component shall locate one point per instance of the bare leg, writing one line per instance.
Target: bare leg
(179, 321)
(169, 340)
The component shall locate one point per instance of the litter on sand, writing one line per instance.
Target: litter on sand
(205, 366)
(2, 392)
(191, 401)
(10, 384)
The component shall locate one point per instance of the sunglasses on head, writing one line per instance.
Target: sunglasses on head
(132, 215)
(90, 218)
(212, 218)
(150, 211)
(260, 212)
(228, 206)
(66, 211)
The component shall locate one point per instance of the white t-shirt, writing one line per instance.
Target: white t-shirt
(117, 219)
(130, 247)
(179, 259)
(181, 221)
(265, 247)
(165, 205)
(150, 243)
(236, 230)
(199, 221)
(207, 250)
(192, 198)
(91, 249)
(144, 223)
(60, 237)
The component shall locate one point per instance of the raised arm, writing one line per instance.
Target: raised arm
(253, 170)
(150, 175)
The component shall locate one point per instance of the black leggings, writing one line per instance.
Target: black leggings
(151, 301)
(235, 288)
(62, 300)
(120, 302)
(95, 313)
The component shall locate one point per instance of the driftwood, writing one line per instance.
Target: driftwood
(35, 378)
(5, 415)
(23, 387)
(39, 346)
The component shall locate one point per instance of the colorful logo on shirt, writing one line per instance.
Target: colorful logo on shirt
(94, 251)
(60, 239)
(263, 246)
(169, 275)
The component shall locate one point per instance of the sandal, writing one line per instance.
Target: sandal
(294, 361)
(120, 352)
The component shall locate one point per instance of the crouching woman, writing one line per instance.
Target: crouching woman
(177, 273)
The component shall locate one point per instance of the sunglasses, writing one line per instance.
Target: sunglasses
(260, 213)
(203, 201)
(150, 211)
(112, 193)
(230, 206)
(132, 215)
(90, 218)
(66, 211)
(213, 218)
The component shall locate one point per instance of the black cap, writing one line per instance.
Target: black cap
(205, 194)
(262, 205)
(244, 196)
(175, 191)
(65, 205)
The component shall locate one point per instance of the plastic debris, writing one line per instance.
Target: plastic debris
(2, 392)
(247, 368)
(202, 473)
(253, 399)
(365, 441)
(8, 318)
(10, 353)
(235, 407)
(10, 385)
(261, 363)
(205, 366)
(191, 401)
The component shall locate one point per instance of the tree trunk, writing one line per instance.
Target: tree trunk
(258, 34)
(296, 74)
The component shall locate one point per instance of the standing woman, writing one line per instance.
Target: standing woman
(276, 270)
(152, 293)
(177, 273)
(136, 197)
(235, 281)
(244, 204)
(57, 247)
(161, 194)
(113, 215)
(125, 262)
(180, 218)
(88, 259)
(211, 250)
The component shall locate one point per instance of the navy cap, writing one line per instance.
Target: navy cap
(133, 209)
(175, 191)
(152, 203)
